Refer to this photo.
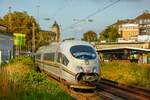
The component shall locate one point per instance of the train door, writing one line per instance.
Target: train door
(62, 59)
(48, 60)
(38, 59)
(41, 64)
(59, 60)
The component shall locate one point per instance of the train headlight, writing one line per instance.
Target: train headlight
(95, 69)
(79, 69)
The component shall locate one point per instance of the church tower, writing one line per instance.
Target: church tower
(56, 30)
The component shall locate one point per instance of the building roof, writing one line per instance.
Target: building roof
(3, 27)
(6, 33)
(121, 48)
(120, 22)
(145, 15)
(45, 31)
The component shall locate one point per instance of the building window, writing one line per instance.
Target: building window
(144, 20)
(140, 21)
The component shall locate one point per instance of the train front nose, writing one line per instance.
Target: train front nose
(87, 77)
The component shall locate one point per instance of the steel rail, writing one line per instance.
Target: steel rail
(123, 91)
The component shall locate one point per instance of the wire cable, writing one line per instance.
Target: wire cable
(58, 10)
(92, 14)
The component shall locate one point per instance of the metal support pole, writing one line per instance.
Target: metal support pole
(33, 37)
(9, 18)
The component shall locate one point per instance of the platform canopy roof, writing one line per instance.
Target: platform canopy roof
(124, 48)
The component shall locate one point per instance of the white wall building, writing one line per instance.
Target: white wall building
(144, 38)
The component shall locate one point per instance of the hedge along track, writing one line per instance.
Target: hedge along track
(117, 91)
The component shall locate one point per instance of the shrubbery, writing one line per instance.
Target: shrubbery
(127, 73)
(18, 81)
(28, 61)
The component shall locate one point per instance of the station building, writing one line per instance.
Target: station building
(138, 52)
(127, 54)
(6, 45)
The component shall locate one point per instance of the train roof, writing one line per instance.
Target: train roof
(67, 44)
(74, 42)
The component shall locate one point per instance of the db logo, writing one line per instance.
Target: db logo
(87, 62)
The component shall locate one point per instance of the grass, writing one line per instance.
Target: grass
(127, 73)
(19, 81)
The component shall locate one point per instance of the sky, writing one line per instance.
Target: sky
(76, 17)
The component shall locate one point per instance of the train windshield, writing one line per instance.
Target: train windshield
(83, 52)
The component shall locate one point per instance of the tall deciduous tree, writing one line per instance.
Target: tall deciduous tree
(1, 21)
(46, 37)
(109, 34)
(90, 36)
(21, 22)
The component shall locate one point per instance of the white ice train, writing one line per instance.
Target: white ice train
(73, 62)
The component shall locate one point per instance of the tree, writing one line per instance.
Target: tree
(1, 21)
(46, 37)
(2, 24)
(89, 36)
(109, 34)
(21, 22)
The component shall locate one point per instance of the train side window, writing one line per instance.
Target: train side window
(49, 56)
(62, 59)
(65, 60)
(59, 58)
(38, 56)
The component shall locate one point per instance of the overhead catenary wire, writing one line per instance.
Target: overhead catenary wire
(59, 10)
(54, 15)
(92, 14)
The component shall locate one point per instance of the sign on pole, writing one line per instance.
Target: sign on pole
(19, 39)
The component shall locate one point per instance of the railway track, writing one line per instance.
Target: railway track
(76, 94)
(107, 90)
(116, 91)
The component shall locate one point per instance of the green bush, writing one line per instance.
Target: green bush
(40, 87)
(34, 86)
(17, 82)
(127, 73)
(25, 60)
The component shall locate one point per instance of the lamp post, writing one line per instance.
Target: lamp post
(33, 30)
(33, 37)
